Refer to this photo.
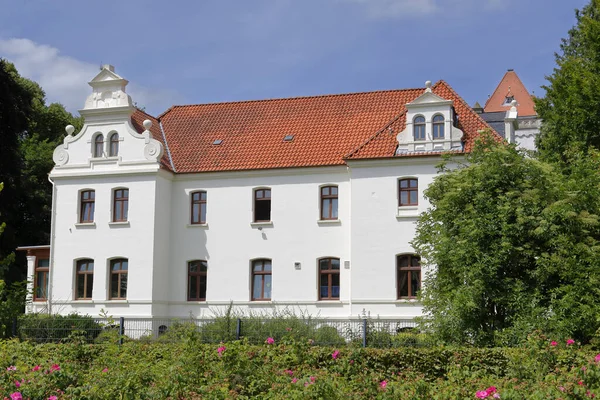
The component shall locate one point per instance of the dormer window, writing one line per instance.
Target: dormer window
(419, 127)
(114, 145)
(438, 127)
(98, 146)
(508, 100)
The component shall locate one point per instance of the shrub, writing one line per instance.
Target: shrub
(42, 328)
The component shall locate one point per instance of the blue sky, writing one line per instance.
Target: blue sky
(186, 52)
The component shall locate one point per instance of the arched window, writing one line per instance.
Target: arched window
(197, 280)
(198, 208)
(120, 205)
(85, 279)
(438, 127)
(118, 278)
(329, 202)
(261, 279)
(329, 279)
(262, 205)
(98, 146)
(114, 145)
(408, 275)
(87, 202)
(419, 128)
(408, 192)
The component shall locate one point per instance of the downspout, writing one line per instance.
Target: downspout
(350, 240)
(52, 228)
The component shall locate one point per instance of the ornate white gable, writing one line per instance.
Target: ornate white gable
(429, 106)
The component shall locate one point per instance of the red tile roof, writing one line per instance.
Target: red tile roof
(511, 85)
(325, 129)
(137, 120)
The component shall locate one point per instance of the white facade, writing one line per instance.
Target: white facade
(158, 240)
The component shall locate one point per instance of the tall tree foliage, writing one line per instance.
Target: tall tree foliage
(29, 132)
(513, 245)
(571, 108)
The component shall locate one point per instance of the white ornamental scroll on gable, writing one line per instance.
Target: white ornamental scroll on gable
(108, 140)
(429, 125)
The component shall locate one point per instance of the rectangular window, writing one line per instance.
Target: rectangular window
(408, 192)
(120, 205)
(40, 283)
(85, 279)
(329, 279)
(408, 276)
(118, 279)
(198, 208)
(262, 205)
(329, 202)
(261, 280)
(197, 280)
(87, 203)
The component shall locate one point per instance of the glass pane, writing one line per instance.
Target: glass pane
(403, 198)
(402, 284)
(123, 285)
(92, 207)
(267, 265)
(203, 212)
(335, 285)
(259, 194)
(257, 287)
(43, 263)
(415, 261)
(114, 285)
(195, 196)
(403, 261)
(203, 196)
(414, 183)
(324, 283)
(90, 266)
(335, 264)
(257, 266)
(334, 209)
(80, 286)
(334, 190)
(267, 194)
(125, 209)
(116, 265)
(193, 266)
(90, 285)
(203, 266)
(42, 283)
(325, 191)
(195, 213)
(404, 183)
(267, 294)
(419, 120)
(441, 131)
(324, 264)
(82, 267)
(193, 287)
(202, 293)
(118, 215)
(414, 197)
(326, 203)
(124, 264)
(415, 282)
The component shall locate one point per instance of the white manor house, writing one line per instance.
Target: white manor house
(306, 203)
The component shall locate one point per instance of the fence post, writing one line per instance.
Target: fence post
(14, 327)
(364, 332)
(238, 329)
(121, 329)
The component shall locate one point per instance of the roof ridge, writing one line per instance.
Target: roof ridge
(144, 112)
(162, 131)
(287, 98)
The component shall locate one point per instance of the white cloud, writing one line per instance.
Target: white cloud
(411, 8)
(64, 79)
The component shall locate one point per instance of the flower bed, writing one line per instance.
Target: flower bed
(289, 369)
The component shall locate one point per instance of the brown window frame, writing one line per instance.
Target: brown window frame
(86, 218)
(408, 189)
(329, 197)
(199, 202)
(330, 271)
(86, 276)
(98, 146)
(46, 274)
(438, 124)
(113, 148)
(200, 274)
(412, 292)
(120, 272)
(121, 203)
(420, 124)
(262, 273)
(263, 198)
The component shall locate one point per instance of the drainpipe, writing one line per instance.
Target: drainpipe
(52, 228)
(349, 240)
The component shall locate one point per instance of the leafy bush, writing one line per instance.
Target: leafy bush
(42, 328)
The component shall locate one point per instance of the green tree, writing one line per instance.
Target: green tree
(570, 108)
(513, 246)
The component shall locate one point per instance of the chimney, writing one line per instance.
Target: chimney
(108, 67)
(510, 122)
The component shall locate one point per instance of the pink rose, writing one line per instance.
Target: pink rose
(482, 394)
(17, 384)
(16, 396)
(11, 368)
(105, 370)
(597, 358)
(570, 342)
(313, 379)
(270, 340)
(52, 398)
(553, 343)
(54, 367)
(220, 350)
(383, 384)
(36, 368)
(294, 380)
(335, 354)
(491, 390)
(289, 372)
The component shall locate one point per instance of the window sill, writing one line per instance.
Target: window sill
(408, 212)
(117, 301)
(265, 224)
(329, 222)
(85, 225)
(205, 226)
(260, 302)
(404, 301)
(83, 301)
(118, 224)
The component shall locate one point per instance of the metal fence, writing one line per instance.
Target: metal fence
(362, 332)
